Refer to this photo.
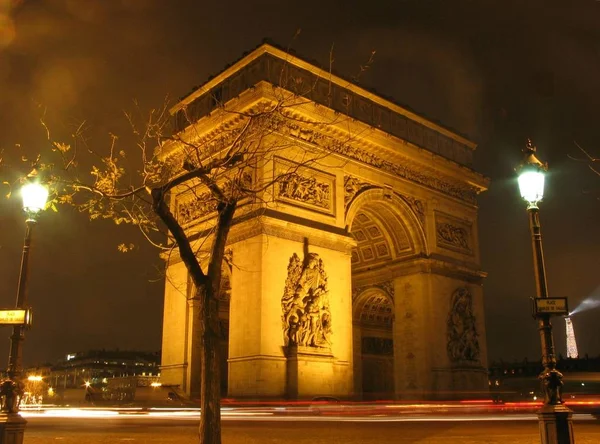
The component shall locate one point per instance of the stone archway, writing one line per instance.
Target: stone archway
(388, 230)
(373, 318)
(396, 213)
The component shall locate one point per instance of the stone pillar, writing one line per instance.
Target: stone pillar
(459, 363)
(432, 356)
(175, 336)
(357, 359)
(309, 372)
(193, 359)
(259, 364)
(412, 333)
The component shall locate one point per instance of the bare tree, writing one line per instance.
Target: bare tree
(226, 173)
(586, 158)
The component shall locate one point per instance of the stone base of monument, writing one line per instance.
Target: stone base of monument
(12, 428)
(309, 372)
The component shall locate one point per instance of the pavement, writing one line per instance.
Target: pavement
(301, 431)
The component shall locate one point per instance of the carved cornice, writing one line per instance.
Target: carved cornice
(284, 70)
(334, 140)
(270, 226)
(339, 142)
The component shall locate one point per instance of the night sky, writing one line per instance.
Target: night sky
(497, 72)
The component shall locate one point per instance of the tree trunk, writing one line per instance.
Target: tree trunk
(207, 290)
(210, 382)
(210, 333)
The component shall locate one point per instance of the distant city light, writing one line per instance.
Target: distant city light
(156, 384)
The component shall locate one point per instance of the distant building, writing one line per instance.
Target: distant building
(519, 380)
(79, 369)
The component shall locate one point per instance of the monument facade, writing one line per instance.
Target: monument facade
(355, 274)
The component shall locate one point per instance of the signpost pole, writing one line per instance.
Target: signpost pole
(16, 354)
(12, 425)
(556, 425)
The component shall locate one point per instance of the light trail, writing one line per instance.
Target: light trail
(283, 415)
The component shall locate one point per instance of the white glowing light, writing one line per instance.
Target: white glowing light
(34, 197)
(531, 185)
(571, 343)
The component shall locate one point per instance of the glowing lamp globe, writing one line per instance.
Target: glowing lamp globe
(531, 185)
(34, 197)
(531, 176)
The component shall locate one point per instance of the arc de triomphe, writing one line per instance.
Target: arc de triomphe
(362, 278)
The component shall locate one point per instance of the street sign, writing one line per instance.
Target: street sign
(15, 317)
(550, 306)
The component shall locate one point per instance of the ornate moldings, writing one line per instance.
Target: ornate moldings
(192, 206)
(306, 187)
(417, 206)
(453, 234)
(306, 190)
(198, 207)
(386, 286)
(403, 168)
(463, 343)
(352, 186)
(294, 125)
(342, 98)
(305, 304)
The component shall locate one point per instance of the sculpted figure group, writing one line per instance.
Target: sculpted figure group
(463, 343)
(305, 303)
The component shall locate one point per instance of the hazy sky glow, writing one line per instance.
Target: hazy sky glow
(497, 72)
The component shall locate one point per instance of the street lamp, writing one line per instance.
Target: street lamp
(555, 419)
(12, 425)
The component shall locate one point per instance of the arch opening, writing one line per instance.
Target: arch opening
(386, 231)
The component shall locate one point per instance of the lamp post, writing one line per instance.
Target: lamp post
(12, 425)
(555, 419)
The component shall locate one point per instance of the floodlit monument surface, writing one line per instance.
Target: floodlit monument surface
(356, 275)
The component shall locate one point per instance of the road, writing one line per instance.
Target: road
(266, 429)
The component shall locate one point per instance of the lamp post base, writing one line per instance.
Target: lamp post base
(12, 428)
(556, 425)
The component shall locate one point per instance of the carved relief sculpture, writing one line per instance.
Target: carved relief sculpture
(196, 208)
(305, 303)
(305, 189)
(203, 204)
(463, 343)
(352, 185)
(453, 235)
